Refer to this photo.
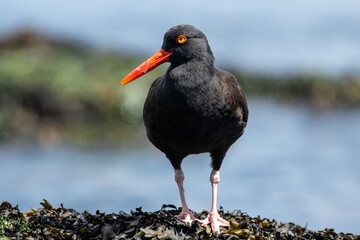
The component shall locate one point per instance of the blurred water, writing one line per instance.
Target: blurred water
(293, 164)
(279, 36)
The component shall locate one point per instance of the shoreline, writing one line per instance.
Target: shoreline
(49, 222)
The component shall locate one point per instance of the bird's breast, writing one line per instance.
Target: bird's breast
(189, 121)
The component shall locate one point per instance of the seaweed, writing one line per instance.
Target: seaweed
(64, 223)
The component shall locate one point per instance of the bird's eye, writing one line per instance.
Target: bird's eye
(181, 39)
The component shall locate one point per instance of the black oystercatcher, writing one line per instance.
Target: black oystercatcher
(193, 108)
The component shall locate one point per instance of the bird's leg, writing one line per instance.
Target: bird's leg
(214, 218)
(186, 216)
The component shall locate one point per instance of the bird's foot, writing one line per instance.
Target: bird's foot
(187, 217)
(215, 221)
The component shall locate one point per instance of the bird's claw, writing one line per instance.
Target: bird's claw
(215, 221)
(187, 217)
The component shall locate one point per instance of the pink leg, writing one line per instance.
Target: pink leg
(186, 216)
(213, 218)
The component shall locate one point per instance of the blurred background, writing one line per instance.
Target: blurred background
(71, 134)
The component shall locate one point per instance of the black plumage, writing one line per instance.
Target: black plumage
(193, 108)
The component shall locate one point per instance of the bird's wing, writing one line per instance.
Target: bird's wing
(234, 96)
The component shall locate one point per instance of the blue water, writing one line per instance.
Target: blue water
(280, 36)
(293, 164)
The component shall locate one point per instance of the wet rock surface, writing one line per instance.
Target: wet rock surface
(48, 222)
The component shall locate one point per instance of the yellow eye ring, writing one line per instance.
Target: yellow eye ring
(181, 39)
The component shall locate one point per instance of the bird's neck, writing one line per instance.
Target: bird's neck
(192, 74)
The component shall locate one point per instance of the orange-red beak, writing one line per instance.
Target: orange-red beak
(158, 58)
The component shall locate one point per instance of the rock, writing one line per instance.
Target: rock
(62, 223)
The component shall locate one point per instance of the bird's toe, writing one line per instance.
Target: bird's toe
(215, 221)
(187, 217)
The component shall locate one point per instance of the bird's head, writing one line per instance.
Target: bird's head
(185, 42)
(181, 44)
